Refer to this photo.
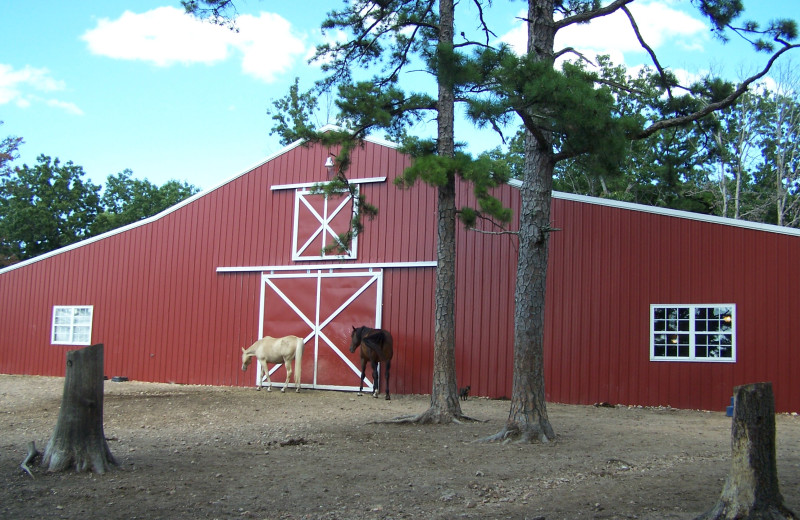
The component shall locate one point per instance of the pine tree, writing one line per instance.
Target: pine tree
(410, 31)
(568, 112)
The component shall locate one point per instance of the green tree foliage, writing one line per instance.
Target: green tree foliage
(654, 170)
(739, 162)
(45, 207)
(781, 150)
(126, 200)
(9, 152)
(292, 114)
(51, 205)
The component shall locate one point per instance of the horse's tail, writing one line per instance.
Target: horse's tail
(298, 361)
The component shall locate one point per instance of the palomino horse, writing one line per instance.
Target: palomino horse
(276, 350)
(376, 347)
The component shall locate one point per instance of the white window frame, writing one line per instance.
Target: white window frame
(307, 251)
(301, 252)
(691, 329)
(72, 321)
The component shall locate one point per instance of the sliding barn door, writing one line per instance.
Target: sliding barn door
(322, 307)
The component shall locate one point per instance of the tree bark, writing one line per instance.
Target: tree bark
(445, 405)
(751, 491)
(78, 440)
(527, 418)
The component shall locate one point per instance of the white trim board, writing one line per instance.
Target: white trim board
(300, 185)
(322, 267)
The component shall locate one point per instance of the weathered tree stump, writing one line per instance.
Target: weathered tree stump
(751, 490)
(78, 440)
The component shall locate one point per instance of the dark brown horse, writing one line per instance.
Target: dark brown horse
(376, 347)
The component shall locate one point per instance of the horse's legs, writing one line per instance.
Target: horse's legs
(388, 366)
(265, 369)
(288, 365)
(376, 380)
(363, 370)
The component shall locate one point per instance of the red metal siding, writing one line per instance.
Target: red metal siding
(163, 311)
(485, 279)
(166, 314)
(608, 265)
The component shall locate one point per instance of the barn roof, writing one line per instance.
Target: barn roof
(381, 142)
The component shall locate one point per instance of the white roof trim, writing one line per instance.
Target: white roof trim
(746, 224)
(322, 267)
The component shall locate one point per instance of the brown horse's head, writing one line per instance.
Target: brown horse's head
(355, 338)
(246, 358)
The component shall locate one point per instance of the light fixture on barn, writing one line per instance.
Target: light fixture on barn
(329, 165)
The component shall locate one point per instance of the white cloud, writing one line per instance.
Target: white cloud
(267, 45)
(167, 36)
(658, 21)
(20, 87)
(71, 108)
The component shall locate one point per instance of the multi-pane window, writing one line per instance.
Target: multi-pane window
(692, 333)
(72, 325)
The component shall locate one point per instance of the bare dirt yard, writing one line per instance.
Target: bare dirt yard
(193, 452)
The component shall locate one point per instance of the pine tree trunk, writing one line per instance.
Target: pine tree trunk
(528, 415)
(78, 440)
(445, 406)
(527, 418)
(751, 491)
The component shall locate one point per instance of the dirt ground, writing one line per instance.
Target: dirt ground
(205, 452)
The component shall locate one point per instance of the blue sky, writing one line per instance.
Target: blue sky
(137, 84)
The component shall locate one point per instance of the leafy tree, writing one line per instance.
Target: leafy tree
(126, 200)
(52, 205)
(663, 169)
(736, 153)
(45, 207)
(9, 152)
(293, 113)
(781, 148)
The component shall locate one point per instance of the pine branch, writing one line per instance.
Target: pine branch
(713, 107)
(484, 26)
(661, 72)
(591, 15)
(484, 232)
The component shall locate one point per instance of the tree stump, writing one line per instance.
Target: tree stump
(751, 490)
(78, 439)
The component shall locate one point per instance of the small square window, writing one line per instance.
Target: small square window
(72, 325)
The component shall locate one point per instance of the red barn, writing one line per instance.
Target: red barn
(644, 306)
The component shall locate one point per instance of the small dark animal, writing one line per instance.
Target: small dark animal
(463, 393)
(376, 347)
